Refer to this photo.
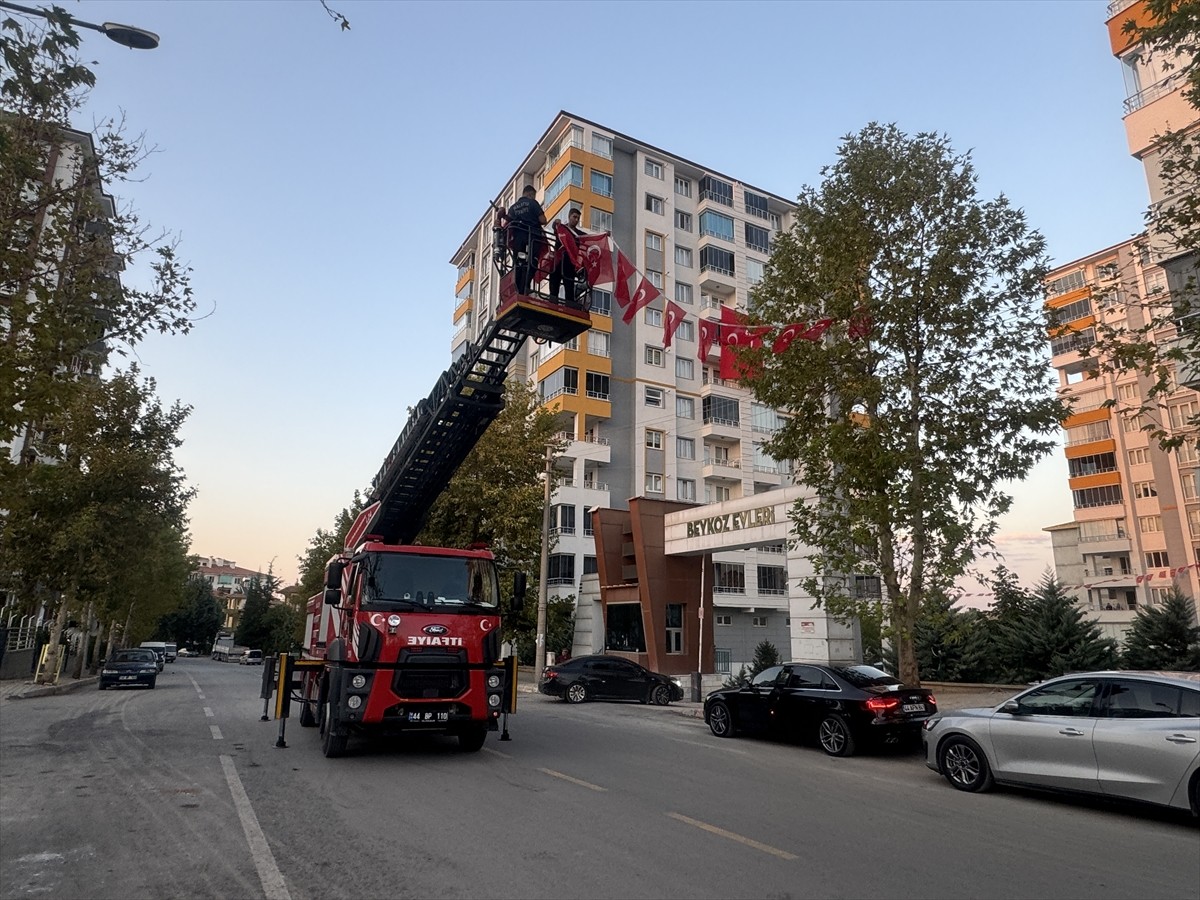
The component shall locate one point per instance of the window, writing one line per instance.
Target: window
(654, 356)
(653, 241)
(758, 238)
(654, 204)
(654, 317)
(602, 145)
(601, 302)
(1138, 457)
(683, 221)
(654, 483)
(772, 580)
(597, 386)
(1060, 315)
(1064, 698)
(1130, 424)
(1158, 559)
(1193, 517)
(1183, 412)
(1150, 700)
(1065, 283)
(716, 190)
(1108, 495)
(716, 224)
(561, 569)
(685, 489)
(571, 175)
(684, 367)
(600, 343)
(589, 562)
(1127, 391)
(1092, 465)
(683, 293)
(1149, 524)
(1144, 490)
(685, 407)
(1187, 485)
(754, 271)
(1094, 431)
(602, 184)
(563, 381)
(685, 448)
(686, 331)
(683, 187)
(683, 257)
(729, 578)
(1102, 530)
(723, 619)
(674, 629)
(601, 220)
(720, 410)
(756, 204)
(654, 397)
(759, 621)
(654, 439)
(764, 419)
(716, 259)
(1187, 453)
(654, 169)
(717, 494)
(655, 277)
(563, 517)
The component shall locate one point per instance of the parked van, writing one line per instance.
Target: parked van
(160, 648)
(172, 652)
(252, 658)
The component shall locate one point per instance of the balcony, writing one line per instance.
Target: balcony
(715, 426)
(590, 447)
(716, 469)
(1172, 82)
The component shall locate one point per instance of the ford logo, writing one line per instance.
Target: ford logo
(435, 629)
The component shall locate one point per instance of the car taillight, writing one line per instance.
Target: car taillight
(548, 675)
(879, 704)
(931, 699)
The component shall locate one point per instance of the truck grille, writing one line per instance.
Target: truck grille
(431, 675)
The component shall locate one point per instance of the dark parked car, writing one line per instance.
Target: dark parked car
(1134, 735)
(126, 668)
(838, 707)
(608, 678)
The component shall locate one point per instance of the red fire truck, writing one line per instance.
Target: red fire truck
(407, 637)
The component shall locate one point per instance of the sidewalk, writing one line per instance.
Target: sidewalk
(18, 689)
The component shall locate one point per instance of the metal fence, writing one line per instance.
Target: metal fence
(20, 631)
(723, 659)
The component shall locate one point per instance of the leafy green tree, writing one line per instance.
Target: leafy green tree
(1165, 637)
(323, 546)
(254, 627)
(1153, 336)
(765, 655)
(195, 623)
(930, 388)
(282, 625)
(1053, 638)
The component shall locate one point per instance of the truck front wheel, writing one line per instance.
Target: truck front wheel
(333, 744)
(471, 740)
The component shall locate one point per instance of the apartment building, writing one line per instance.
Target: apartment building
(1136, 528)
(228, 581)
(644, 421)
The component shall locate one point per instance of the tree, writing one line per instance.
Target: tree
(1153, 336)
(195, 623)
(765, 656)
(931, 386)
(323, 546)
(1165, 637)
(104, 524)
(255, 625)
(1053, 638)
(497, 497)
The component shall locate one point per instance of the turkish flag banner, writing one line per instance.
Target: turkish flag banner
(671, 320)
(642, 296)
(566, 245)
(596, 257)
(710, 333)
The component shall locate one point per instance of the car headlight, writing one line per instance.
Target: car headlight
(493, 681)
(358, 682)
(931, 723)
(676, 681)
(108, 671)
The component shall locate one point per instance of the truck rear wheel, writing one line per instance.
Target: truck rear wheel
(308, 718)
(471, 740)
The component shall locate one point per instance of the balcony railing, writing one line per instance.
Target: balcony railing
(558, 393)
(1092, 538)
(717, 420)
(725, 589)
(726, 463)
(1152, 93)
(712, 267)
(1118, 6)
(716, 198)
(587, 438)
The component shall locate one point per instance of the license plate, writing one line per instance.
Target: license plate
(430, 716)
(128, 677)
(914, 707)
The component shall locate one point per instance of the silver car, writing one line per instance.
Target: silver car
(1134, 735)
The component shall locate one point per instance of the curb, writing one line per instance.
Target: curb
(47, 690)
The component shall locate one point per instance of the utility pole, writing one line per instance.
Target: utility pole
(539, 653)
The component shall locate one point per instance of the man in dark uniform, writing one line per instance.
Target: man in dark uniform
(525, 238)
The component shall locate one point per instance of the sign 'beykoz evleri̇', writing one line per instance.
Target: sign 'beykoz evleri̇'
(734, 521)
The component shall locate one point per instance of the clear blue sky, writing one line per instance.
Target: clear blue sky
(321, 179)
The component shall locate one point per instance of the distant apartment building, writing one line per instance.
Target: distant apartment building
(648, 423)
(229, 582)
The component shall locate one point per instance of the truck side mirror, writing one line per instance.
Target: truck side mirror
(333, 596)
(333, 575)
(518, 597)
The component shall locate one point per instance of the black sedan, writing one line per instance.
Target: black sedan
(838, 707)
(608, 678)
(126, 668)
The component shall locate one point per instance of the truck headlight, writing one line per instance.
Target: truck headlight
(493, 700)
(358, 682)
(493, 681)
(354, 702)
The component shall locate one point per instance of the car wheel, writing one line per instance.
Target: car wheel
(834, 736)
(332, 745)
(471, 741)
(964, 765)
(1196, 795)
(720, 720)
(152, 680)
(660, 695)
(577, 692)
(103, 685)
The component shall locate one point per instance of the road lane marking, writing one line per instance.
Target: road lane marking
(741, 839)
(497, 753)
(586, 784)
(274, 887)
(208, 712)
(216, 733)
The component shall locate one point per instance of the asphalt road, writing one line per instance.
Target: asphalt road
(181, 792)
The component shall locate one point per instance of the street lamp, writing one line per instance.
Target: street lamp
(539, 652)
(125, 35)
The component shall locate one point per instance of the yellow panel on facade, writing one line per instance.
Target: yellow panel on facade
(1070, 297)
(1122, 42)
(466, 276)
(1086, 418)
(1091, 448)
(1091, 481)
(462, 309)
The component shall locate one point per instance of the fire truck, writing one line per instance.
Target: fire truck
(406, 637)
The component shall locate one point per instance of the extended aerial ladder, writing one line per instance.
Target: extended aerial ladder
(444, 427)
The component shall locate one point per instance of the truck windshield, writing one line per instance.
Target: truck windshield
(411, 580)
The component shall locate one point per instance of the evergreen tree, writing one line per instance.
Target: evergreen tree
(1165, 637)
(765, 656)
(929, 390)
(1054, 638)
(939, 638)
